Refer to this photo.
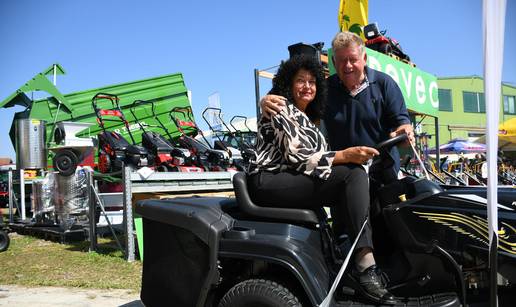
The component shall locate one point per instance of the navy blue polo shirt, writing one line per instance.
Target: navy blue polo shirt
(369, 117)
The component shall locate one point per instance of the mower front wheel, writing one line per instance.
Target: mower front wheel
(259, 293)
(385, 49)
(4, 241)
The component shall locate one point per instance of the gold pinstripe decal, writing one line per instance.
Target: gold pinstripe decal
(474, 227)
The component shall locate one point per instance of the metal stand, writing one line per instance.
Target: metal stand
(22, 194)
(437, 151)
(11, 196)
(128, 214)
(95, 199)
(101, 205)
(257, 91)
(92, 219)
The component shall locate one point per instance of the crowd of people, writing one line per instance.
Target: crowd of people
(477, 167)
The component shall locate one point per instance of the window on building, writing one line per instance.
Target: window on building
(445, 101)
(474, 102)
(509, 105)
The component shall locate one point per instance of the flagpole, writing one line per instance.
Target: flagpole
(493, 34)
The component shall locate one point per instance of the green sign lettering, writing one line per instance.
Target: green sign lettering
(419, 88)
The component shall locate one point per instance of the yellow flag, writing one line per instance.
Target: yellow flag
(353, 16)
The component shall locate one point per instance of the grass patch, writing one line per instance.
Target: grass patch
(35, 262)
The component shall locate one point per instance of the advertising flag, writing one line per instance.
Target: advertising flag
(353, 16)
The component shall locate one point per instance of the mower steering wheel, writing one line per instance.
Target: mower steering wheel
(387, 144)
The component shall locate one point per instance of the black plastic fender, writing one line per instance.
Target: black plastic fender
(297, 249)
(189, 221)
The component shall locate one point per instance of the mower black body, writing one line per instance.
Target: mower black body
(196, 249)
(119, 150)
(156, 142)
(205, 156)
(222, 252)
(164, 156)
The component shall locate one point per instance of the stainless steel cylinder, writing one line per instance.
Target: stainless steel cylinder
(30, 140)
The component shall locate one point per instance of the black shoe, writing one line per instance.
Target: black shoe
(372, 286)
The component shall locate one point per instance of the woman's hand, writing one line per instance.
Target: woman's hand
(272, 105)
(357, 155)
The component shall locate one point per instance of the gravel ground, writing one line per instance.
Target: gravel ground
(11, 295)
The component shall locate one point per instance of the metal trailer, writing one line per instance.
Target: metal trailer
(137, 182)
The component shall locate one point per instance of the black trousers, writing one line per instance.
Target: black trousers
(346, 191)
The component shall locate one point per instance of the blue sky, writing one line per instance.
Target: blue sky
(217, 44)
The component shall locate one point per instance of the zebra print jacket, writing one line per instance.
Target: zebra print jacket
(289, 140)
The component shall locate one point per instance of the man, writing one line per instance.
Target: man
(364, 108)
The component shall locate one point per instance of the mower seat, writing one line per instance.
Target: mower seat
(271, 213)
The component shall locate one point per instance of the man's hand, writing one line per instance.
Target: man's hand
(357, 155)
(272, 105)
(404, 129)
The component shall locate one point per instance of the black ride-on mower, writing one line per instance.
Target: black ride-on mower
(214, 251)
(206, 157)
(163, 156)
(377, 40)
(113, 149)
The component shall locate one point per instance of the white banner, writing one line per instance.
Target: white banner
(214, 102)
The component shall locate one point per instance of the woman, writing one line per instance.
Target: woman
(294, 168)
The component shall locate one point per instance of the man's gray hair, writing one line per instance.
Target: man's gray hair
(346, 39)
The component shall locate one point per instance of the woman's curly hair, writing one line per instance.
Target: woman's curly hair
(282, 83)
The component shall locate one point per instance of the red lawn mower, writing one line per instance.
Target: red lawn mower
(377, 40)
(113, 148)
(209, 158)
(163, 156)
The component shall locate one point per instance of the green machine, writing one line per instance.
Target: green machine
(163, 92)
(166, 92)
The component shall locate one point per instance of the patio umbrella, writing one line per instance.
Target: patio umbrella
(506, 136)
(460, 146)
